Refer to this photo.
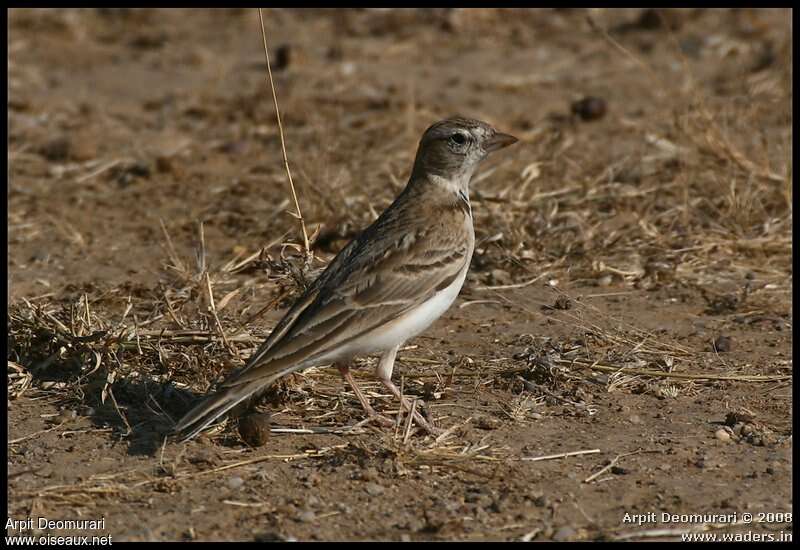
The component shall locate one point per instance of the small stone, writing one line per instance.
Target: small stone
(127, 173)
(723, 344)
(487, 423)
(541, 501)
(564, 533)
(654, 18)
(405, 537)
(500, 277)
(164, 164)
(635, 419)
(282, 57)
(57, 149)
(306, 517)
(373, 489)
(723, 435)
(82, 148)
(235, 482)
(254, 429)
(605, 280)
(589, 108)
(334, 53)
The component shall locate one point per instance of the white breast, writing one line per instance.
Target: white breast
(401, 329)
(416, 320)
(408, 325)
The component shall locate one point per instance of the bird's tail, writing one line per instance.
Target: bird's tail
(219, 403)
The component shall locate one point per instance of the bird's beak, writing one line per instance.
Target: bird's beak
(498, 141)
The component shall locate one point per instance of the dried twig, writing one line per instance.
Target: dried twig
(297, 213)
(559, 455)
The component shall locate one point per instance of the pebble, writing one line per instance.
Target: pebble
(723, 435)
(82, 148)
(635, 419)
(723, 344)
(57, 149)
(373, 489)
(589, 108)
(306, 517)
(541, 501)
(254, 429)
(487, 423)
(653, 18)
(235, 482)
(282, 57)
(605, 280)
(564, 533)
(500, 277)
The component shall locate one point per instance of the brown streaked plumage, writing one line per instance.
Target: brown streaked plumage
(386, 285)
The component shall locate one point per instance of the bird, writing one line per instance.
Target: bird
(387, 285)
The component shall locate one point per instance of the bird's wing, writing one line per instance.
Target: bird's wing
(386, 272)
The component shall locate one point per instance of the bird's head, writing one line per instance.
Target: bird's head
(452, 149)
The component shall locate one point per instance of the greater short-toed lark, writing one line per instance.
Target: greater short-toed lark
(386, 286)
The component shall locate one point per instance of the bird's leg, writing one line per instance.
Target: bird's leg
(344, 370)
(384, 374)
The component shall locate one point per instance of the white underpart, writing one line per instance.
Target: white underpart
(418, 319)
(404, 327)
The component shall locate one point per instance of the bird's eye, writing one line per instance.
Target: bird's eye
(458, 139)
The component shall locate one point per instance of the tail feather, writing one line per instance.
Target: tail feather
(216, 405)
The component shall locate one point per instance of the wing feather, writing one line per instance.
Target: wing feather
(395, 265)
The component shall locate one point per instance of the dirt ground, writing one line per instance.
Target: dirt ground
(629, 300)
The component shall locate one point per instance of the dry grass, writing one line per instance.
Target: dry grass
(702, 203)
